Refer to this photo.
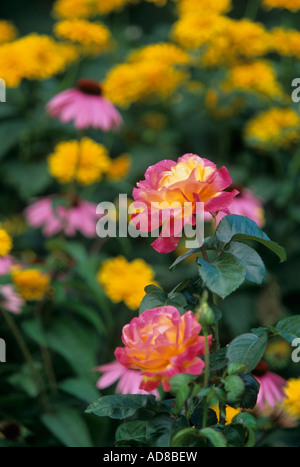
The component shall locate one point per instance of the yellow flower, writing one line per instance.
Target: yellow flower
(286, 42)
(7, 32)
(256, 77)
(274, 128)
(278, 353)
(195, 30)
(74, 8)
(222, 40)
(292, 5)
(105, 7)
(84, 161)
(93, 37)
(125, 281)
(34, 57)
(292, 402)
(5, 243)
(230, 413)
(150, 72)
(193, 6)
(32, 284)
(119, 167)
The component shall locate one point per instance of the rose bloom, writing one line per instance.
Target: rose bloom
(271, 392)
(189, 180)
(129, 380)
(162, 344)
(86, 107)
(10, 300)
(244, 204)
(81, 217)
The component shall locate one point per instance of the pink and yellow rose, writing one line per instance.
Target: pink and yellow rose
(162, 343)
(181, 184)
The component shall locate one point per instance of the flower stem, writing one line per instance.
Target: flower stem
(207, 361)
(28, 358)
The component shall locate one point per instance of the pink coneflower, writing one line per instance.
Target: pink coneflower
(129, 380)
(86, 107)
(10, 300)
(79, 217)
(271, 392)
(246, 203)
(6, 263)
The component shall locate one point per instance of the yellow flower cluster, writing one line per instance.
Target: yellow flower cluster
(5, 242)
(194, 6)
(274, 128)
(31, 284)
(292, 403)
(286, 42)
(93, 37)
(223, 40)
(125, 281)
(87, 8)
(7, 32)
(34, 57)
(256, 77)
(85, 162)
(293, 5)
(151, 72)
(119, 167)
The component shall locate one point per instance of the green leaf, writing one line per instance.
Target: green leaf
(186, 255)
(153, 299)
(120, 406)
(215, 437)
(223, 276)
(178, 381)
(235, 368)
(197, 418)
(177, 300)
(251, 391)
(245, 419)
(88, 313)
(235, 389)
(235, 435)
(68, 426)
(254, 266)
(236, 228)
(10, 133)
(131, 431)
(28, 179)
(189, 437)
(76, 344)
(247, 349)
(80, 388)
(161, 429)
(289, 328)
(218, 360)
